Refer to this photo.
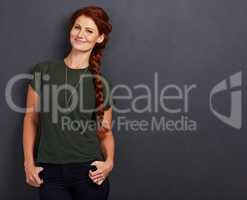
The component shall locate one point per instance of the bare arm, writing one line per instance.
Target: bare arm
(30, 124)
(107, 142)
(107, 145)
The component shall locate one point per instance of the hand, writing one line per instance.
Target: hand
(32, 175)
(103, 170)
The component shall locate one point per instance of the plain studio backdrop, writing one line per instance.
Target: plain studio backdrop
(190, 46)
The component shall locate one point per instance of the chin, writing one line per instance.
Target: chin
(79, 47)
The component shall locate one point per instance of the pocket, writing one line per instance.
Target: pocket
(52, 174)
(41, 173)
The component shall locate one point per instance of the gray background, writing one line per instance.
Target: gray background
(186, 42)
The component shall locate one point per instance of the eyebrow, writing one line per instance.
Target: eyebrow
(86, 26)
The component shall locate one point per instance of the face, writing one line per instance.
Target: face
(84, 34)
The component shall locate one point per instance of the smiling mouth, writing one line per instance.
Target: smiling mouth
(78, 40)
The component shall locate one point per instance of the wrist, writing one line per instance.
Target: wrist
(109, 163)
(28, 162)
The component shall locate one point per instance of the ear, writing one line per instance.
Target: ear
(100, 38)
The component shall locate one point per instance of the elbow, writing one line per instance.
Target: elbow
(31, 118)
(105, 135)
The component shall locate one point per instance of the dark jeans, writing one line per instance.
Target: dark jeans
(70, 182)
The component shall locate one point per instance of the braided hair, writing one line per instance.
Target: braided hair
(101, 19)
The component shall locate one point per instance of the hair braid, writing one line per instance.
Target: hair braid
(101, 19)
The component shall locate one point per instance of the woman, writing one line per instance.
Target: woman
(59, 151)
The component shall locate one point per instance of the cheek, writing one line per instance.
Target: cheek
(72, 35)
(72, 39)
(91, 37)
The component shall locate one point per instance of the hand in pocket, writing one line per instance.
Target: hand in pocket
(32, 175)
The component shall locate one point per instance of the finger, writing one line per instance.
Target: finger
(31, 182)
(94, 163)
(37, 174)
(93, 177)
(100, 181)
(37, 179)
(95, 173)
(96, 181)
(96, 176)
(39, 169)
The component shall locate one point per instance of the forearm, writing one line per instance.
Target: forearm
(29, 135)
(107, 146)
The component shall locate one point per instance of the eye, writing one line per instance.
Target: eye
(89, 31)
(77, 27)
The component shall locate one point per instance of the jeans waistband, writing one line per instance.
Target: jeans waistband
(66, 164)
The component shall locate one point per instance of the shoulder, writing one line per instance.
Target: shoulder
(45, 65)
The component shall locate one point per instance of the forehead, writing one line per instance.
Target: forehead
(85, 21)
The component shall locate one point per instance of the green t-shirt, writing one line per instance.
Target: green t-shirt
(66, 137)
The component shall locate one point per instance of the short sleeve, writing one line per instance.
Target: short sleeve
(107, 92)
(36, 79)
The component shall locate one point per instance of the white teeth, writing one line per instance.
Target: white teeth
(80, 40)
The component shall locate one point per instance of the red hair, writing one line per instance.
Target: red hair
(101, 19)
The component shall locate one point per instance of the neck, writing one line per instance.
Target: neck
(77, 59)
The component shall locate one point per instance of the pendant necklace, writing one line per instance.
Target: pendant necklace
(66, 82)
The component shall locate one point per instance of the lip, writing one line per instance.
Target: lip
(78, 40)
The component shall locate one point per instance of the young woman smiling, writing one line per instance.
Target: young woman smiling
(58, 161)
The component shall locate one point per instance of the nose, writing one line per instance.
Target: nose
(80, 34)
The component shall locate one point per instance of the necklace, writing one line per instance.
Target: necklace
(66, 83)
